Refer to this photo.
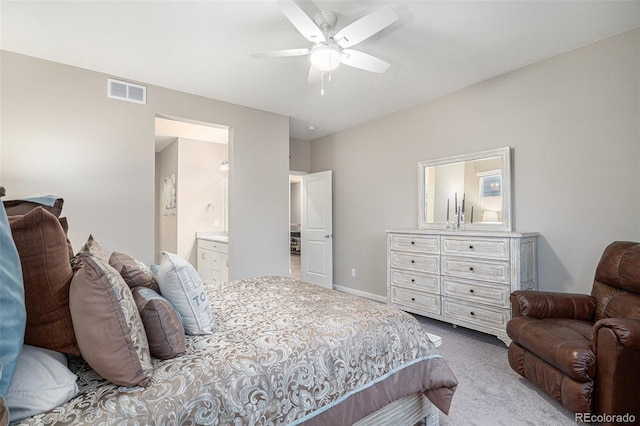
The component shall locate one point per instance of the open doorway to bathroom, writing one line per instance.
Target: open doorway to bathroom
(191, 181)
(295, 190)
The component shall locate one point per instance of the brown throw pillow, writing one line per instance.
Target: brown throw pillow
(51, 203)
(65, 227)
(44, 255)
(161, 323)
(108, 327)
(134, 272)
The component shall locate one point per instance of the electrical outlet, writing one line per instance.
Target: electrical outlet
(353, 272)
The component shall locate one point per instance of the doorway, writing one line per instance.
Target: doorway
(295, 245)
(191, 183)
(311, 228)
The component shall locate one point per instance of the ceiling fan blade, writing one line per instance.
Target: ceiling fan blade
(281, 53)
(365, 27)
(315, 75)
(301, 21)
(364, 61)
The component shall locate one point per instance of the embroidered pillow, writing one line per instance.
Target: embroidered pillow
(108, 326)
(180, 283)
(91, 246)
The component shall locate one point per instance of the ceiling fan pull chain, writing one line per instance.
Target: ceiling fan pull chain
(322, 85)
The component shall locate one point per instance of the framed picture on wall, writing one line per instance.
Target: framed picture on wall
(169, 191)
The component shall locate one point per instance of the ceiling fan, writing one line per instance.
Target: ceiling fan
(330, 50)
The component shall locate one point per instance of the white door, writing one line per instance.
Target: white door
(316, 230)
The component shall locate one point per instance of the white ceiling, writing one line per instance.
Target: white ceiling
(203, 47)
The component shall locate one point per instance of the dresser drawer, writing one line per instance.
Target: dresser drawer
(416, 300)
(488, 248)
(430, 283)
(475, 291)
(213, 245)
(428, 263)
(483, 316)
(423, 244)
(476, 269)
(218, 261)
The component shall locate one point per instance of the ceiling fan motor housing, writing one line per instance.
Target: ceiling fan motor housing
(325, 20)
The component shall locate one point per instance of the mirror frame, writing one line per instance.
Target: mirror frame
(505, 157)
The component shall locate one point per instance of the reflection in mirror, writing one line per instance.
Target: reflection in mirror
(470, 191)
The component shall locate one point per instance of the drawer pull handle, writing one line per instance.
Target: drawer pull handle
(413, 299)
(471, 268)
(413, 243)
(413, 261)
(413, 280)
(470, 290)
(471, 247)
(472, 313)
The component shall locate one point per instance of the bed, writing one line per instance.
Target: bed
(274, 351)
(282, 352)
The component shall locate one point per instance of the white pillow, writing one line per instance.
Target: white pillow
(180, 284)
(40, 383)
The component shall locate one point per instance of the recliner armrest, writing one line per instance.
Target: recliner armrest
(539, 304)
(616, 342)
(627, 331)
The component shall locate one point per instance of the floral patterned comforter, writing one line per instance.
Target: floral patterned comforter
(282, 352)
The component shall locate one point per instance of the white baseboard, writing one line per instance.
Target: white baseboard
(364, 294)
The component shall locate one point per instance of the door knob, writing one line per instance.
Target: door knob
(327, 236)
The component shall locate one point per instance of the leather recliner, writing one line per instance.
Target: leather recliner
(584, 350)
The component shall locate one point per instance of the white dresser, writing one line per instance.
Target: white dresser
(213, 259)
(461, 277)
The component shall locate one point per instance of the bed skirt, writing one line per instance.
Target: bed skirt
(413, 409)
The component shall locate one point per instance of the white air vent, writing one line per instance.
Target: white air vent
(126, 91)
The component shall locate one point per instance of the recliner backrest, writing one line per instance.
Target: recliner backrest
(616, 288)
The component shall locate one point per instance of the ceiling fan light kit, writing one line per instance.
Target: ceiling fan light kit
(330, 50)
(326, 57)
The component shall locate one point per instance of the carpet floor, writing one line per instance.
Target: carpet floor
(489, 391)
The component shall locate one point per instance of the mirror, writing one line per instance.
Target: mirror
(479, 184)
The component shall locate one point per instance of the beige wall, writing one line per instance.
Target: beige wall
(200, 192)
(299, 155)
(166, 219)
(61, 134)
(573, 121)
